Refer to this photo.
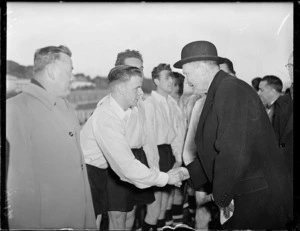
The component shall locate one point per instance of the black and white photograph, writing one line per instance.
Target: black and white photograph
(148, 116)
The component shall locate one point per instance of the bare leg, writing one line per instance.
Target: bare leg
(153, 209)
(117, 220)
(130, 219)
(177, 207)
(98, 221)
(164, 204)
(203, 216)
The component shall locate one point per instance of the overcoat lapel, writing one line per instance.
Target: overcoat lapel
(208, 103)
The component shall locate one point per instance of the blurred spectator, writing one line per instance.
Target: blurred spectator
(255, 83)
(227, 66)
(283, 127)
(270, 88)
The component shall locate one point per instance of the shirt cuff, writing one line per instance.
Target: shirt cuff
(163, 179)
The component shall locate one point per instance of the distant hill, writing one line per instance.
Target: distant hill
(15, 69)
(26, 72)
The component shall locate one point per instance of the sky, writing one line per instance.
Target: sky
(256, 37)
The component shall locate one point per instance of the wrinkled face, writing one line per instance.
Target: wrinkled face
(63, 77)
(265, 92)
(133, 90)
(165, 82)
(196, 76)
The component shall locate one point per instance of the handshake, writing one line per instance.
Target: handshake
(177, 175)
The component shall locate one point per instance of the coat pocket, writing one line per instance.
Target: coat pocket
(250, 185)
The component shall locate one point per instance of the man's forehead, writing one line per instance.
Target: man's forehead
(132, 61)
(188, 66)
(165, 72)
(264, 84)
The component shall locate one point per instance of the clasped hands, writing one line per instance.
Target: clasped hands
(177, 175)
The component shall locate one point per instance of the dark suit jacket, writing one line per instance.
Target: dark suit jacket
(283, 126)
(237, 149)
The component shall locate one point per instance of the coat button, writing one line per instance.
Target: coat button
(282, 145)
(71, 134)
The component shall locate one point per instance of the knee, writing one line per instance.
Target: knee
(202, 218)
(117, 217)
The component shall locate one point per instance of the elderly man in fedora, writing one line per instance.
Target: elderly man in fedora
(236, 147)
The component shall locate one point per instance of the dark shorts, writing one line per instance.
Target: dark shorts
(166, 162)
(166, 157)
(123, 196)
(98, 183)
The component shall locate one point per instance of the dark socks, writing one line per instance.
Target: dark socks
(177, 214)
(160, 223)
(148, 227)
(169, 217)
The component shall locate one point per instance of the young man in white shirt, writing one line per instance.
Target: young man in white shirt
(105, 143)
(126, 195)
(160, 109)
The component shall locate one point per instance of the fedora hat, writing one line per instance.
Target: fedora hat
(196, 51)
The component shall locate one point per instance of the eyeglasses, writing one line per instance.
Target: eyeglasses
(289, 65)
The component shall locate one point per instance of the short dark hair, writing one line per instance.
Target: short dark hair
(229, 64)
(123, 73)
(127, 54)
(46, 55)
(274, 82)
(179, 79)
(255, 83)
(161, 67)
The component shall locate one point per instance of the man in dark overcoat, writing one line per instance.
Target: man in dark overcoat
(237, 149)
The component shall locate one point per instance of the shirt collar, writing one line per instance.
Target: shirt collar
(271, 104)
(41, 94)
(159, 97)
(120, 112)
(34, 81)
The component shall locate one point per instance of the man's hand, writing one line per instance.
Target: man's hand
(177, 175)
(226, 212)
(184, 173)
(228, 209)
(174, 177)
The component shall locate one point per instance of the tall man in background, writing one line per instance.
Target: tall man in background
(270, 88)
(283, 127)
(47, 183)
(236, 147)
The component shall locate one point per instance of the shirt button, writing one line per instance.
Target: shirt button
(71, 134)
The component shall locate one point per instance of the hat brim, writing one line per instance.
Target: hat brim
(181, 62)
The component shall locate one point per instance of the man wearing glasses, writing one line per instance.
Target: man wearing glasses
(283, 126)
(283, 119)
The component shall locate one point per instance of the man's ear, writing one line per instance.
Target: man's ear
(120, 89)
(50, 71)
(156, 81)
